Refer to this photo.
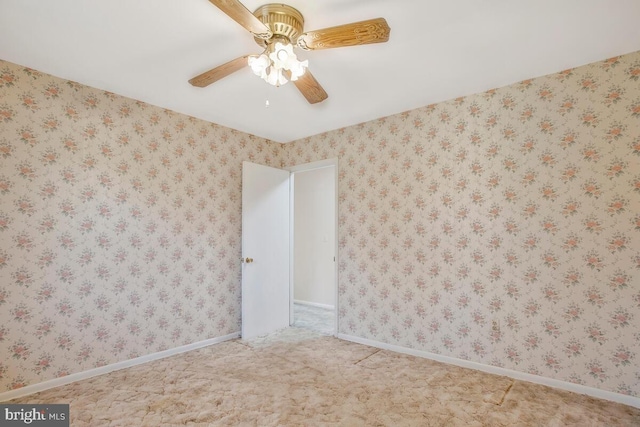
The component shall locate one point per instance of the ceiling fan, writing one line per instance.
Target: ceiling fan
(276, 28)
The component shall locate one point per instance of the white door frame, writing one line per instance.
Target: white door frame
(307, 167)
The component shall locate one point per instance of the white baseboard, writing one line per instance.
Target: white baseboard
(314, 304)
(523, 376)
(57, 382)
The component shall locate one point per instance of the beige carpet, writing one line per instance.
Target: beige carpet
(301, 379)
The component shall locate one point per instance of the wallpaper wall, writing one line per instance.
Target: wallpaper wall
(119, 227)
(501, 228)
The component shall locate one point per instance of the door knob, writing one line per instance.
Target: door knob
(247, 260)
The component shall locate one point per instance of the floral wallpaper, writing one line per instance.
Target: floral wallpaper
(119, 227)
(501, 228)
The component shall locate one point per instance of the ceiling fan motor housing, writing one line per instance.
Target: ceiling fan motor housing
(283, 21)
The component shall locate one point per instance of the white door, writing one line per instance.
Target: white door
(265, 249)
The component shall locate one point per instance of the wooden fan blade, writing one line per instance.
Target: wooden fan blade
(310, 88)
(211, 76)
(363, 32)
(243, 16)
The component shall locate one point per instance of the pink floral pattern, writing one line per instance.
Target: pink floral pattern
(501, 228)
(119, 227)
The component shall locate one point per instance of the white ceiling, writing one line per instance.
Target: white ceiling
(438, 50)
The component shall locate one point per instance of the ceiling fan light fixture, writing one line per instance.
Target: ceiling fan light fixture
(277, 58)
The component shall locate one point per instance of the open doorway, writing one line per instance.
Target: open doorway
(314, 248)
